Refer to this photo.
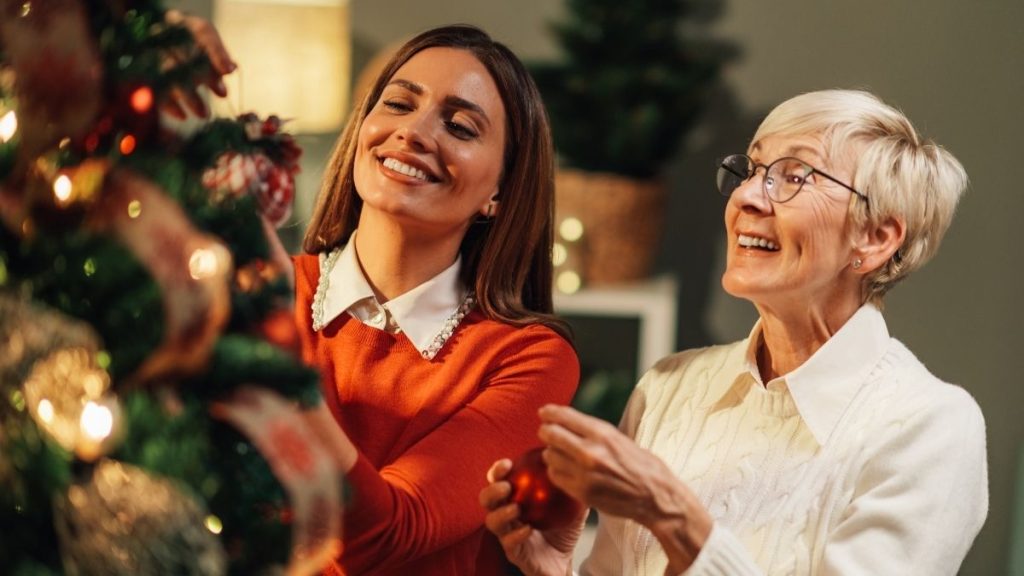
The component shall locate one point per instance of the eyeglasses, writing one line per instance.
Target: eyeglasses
(783, 178)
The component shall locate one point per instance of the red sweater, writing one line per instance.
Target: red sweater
(428, 430)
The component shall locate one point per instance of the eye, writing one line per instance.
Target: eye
(396, 105)
(460, 130)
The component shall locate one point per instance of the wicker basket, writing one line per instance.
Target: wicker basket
(622, 223)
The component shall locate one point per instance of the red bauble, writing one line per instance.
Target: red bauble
(541, 504)
(279, 328)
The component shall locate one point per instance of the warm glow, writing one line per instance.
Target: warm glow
(213, 524)
(142, 99)
(571, 229)
(559, 254)
(203, 264)
(8, 126)
(568, 282)
(97, 421)
(45, 410)
(62, 188)
(298, 68)
(134, 209)
(127, 145)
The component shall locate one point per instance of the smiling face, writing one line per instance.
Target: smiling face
(796, 254)
(430, 151)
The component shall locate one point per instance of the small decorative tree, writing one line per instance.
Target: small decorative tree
(631, 85)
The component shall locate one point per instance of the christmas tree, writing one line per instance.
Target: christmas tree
(151, 397)
(631, 82)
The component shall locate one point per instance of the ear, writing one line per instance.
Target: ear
(490, 209)
(879, 243)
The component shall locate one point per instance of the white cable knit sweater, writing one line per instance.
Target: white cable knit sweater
(858, 462)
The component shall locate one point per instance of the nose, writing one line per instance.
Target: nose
(750, 194)
(415, 132)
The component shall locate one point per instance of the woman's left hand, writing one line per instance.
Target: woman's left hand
(599, 465)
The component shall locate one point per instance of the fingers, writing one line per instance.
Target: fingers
(499, 470)
(209, 40)
(572, 420)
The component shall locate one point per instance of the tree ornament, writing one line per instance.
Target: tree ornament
(121, 520)
(278, 327)
(541, 504)
(235, 174)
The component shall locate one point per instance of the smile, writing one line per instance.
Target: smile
(407, 170)
(754, 242)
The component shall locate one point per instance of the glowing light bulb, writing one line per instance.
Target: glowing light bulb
(202, 264)
(571, 229)
(134, 209)
(45, 410)
(559, 254)
(97, 421)
(8, 126)
(213, 524)
(569, 282)
(142, 99)
(62, 188)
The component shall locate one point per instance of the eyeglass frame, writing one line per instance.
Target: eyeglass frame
(767, 168)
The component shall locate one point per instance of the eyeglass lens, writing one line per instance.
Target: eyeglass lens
(783, 178)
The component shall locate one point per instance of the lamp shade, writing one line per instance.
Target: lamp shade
(294, 59)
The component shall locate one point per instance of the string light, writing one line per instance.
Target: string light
(569, 282)
(62, 188)
(97, 421)
(8, 126)
(559, 254)
(571, 229)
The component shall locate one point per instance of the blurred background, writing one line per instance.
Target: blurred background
(953, 67)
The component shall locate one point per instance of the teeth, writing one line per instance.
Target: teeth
(752, 242)
(402, 168)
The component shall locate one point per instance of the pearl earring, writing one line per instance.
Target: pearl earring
(857, 262)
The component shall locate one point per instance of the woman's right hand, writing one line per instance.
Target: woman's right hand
(535, 552)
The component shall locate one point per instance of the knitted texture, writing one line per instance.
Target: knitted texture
(898, 487)
(428, 430)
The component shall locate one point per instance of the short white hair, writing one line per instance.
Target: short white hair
(902, 174)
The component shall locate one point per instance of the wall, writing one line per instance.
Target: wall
(952, 66)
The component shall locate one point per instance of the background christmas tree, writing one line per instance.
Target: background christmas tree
(632, 81)
(150, 391)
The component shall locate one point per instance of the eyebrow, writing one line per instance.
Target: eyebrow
(449, 101)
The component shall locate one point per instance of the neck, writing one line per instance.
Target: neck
(396, 259)
(791, 336)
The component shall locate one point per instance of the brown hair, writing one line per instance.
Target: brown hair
(508, 260)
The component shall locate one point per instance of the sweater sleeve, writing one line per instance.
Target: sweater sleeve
(427, 498)
(919, 501)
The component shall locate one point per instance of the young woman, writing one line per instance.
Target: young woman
(425, 299)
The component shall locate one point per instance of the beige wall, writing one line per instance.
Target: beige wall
(953, 66)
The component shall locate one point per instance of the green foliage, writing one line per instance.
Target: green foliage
(604, 395)
(630, 86)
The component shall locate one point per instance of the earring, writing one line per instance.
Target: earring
(490, 210)
(857, 262)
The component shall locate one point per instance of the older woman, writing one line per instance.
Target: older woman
(820, 444)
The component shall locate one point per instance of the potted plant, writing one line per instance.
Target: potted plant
(630, 86)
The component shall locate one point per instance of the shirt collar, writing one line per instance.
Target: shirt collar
(824, 385)
(420, 313)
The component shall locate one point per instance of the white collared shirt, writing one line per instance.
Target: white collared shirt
(420, 313)
(843, 361)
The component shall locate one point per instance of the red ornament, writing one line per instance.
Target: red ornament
(278, 328)
(541, 504)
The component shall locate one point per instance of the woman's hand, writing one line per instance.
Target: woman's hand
(208, 40)
(602, 467)
(536, 553)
